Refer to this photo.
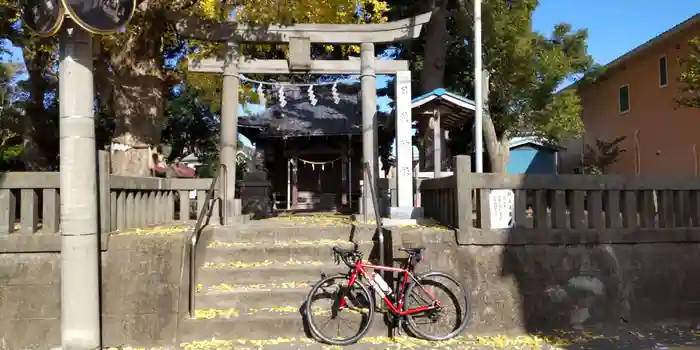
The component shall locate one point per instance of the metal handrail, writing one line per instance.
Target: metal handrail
(194, 238)
(377, 215)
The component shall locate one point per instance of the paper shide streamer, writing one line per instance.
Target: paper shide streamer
(280, 93)
(281, 88)
(334, 92)
(312, 97)
(261, 95)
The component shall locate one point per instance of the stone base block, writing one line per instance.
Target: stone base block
(406, 213)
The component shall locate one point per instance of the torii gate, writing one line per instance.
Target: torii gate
(300, 37)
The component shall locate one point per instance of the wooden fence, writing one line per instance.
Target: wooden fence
(30, 201)
(581, 204)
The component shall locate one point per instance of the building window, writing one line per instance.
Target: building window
(624, 99)
(663, 72)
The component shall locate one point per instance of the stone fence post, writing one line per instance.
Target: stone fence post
(463, 195)
(103, 191)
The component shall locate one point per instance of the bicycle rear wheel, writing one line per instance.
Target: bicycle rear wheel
(454, 306)
(359, 304)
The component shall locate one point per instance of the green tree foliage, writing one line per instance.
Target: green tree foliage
(690, 77)
(38, 93)
(191, 127)
(599, 157)
(525, 68)
(10, 119)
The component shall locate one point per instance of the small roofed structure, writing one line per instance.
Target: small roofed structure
(439, 113)
(532, 155)
(311, 151)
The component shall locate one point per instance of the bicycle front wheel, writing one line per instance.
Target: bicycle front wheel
(333, 324)
(444, 322)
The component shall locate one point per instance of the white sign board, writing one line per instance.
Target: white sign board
(404, 140)
(502, 205)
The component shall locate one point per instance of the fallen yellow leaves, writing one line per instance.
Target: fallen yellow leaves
(224, 287)
(332, 220)
(469, 341)
(255, 264)
(209, 314)
(321, 242)
(156, 230)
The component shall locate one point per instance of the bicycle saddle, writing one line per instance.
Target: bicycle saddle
(344, 250)
(413, 250)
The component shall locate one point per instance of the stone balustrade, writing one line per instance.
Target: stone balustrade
(548, 206)
(30, 205)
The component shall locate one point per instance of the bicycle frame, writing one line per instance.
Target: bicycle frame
(361, 270)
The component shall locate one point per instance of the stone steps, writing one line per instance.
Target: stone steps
(266, 271)
(253, 280)
(257, 326)
(288, 233)
(220, 252)
(278, 321)
(252, 297)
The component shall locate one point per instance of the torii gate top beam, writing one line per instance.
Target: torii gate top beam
(405, 29)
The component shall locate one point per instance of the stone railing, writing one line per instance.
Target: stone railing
(138, 202)
(29, 202)
(547, 207)
(30, 205)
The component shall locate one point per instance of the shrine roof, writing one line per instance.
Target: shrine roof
(299, 117)
(455, 109)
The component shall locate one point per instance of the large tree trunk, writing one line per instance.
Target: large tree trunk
(496, 147)
(433, 73)
(138, 108)
(138, 100)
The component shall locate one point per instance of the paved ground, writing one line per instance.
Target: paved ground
(624, 338)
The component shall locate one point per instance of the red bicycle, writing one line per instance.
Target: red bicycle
(354, 299)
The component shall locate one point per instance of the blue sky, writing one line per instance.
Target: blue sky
(614, 26)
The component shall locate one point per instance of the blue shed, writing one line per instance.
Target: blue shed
(529, 155)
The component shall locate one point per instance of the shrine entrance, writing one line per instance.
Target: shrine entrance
(299, 38)
(317, 175)
(311, 149)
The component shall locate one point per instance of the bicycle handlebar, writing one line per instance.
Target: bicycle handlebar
(348, 256)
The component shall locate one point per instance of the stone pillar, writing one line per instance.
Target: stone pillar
(404, 140)
(437, 144)
(295, 188)
(403, 206)
(229, 132)
(368, 81)
(80, 296)
(344, 180)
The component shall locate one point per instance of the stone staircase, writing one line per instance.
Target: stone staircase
(252, 280)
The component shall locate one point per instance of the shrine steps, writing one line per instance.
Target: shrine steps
(252, 280)
(265, 233)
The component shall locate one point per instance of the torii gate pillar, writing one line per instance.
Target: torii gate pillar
(229, 135)
(368, 82)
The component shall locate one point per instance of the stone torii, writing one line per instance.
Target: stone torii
(299, 37)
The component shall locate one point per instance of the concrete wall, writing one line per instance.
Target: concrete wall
(143, 294)
(527, 286)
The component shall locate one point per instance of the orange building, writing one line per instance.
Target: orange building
(636, 97)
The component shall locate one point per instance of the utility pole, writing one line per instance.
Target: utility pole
(478, 90)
